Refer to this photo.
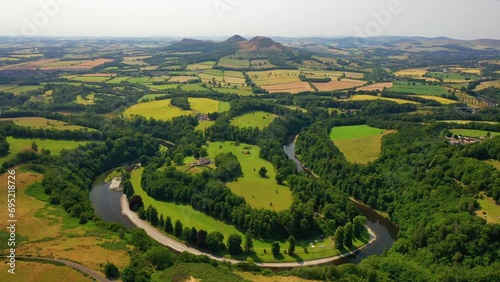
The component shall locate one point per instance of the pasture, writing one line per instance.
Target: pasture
(201, 66)
(258, 192)
(360, 144)
(39, 122)
(119, 79)
(238, 90)
(87, 100)
(228, 62)
(441, 100)
(163, 110)
(473, 133)
(193, 87)
(18, 145)
(260, 64)
(376, 86)
(264, 78)
(488, 84)
(139, 79)
(90, 78)
(371, 97)
(489, 210)
(344, 83)
(469, 121)
(418, 88)
(411, 73)
(259, 119)
(182, 79)
(449, 77)
(293, 87)
(18, 90)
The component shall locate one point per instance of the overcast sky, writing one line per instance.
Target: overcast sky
(462, 19)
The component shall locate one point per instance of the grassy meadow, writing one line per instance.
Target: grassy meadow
(18, 145)
(258, 192)
(39, 122)
(254, 119)
(473, 133)
(371, 97)
(490, 211)
(418, 88)
(163, 110)
(360, 144)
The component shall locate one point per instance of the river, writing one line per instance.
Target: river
(106, 203)
(383, 228)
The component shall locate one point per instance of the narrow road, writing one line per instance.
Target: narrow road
(180, 247)
(90, 272)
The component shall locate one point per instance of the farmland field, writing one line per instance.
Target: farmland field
(292, 87)
(264, 78)
(201, 66)
(182, 79)
(487, 84)
(18, 145)
(87, 100)
(376, 87)
(39, 122)
(162, 87)
(360, 144)
(339, 85)
(163, 110)
(452, 77)
(473, 133)
(240, 90)
(163, 78)
(371, 97)
(469, 121)
(193, 87)
(140, 79)
(258, 192)
(227, 62)
(411, 73)
(118, 79)
(254, 119)
(90, 78)
(441, 100)
(418, 88)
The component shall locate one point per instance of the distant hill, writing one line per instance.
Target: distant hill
(260, 43)
(235, 39)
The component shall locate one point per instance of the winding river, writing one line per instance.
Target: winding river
(383, 228)
(107, 204)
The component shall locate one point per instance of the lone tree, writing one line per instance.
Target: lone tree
(291, 247)
(275, 248)
(262, 172)
(234, 244)
(111, 271)
(179, 159)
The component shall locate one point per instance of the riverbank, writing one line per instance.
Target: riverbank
(177, 246)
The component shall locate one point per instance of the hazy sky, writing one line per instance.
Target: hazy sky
(464, 19)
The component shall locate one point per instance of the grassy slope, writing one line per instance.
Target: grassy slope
(163, 110)
(418, 88)
(258, 192)
(55, 146)
(39, 122)
(360, 143)
(254, 119)
(490, 211)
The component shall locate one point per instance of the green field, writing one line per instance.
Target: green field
(88, 100)
(441, 100)
(162, 87)
(18, 145)
(473, 133)
(360, 144)
(39, 122)
(201, 66)
(233, 63)
(140, 79)
(190, 217)
(371, 97)
(451, 77)
(163, 110)
(418, 88)
(151, 97)
(258, 192)
(240, 90)
(91, 78)
(490, 211)
(118, 79)
(469, 121)
(17, 90)
(204, 125)
(254, 119)
(193, 87)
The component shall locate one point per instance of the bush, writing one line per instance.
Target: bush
(111, 271)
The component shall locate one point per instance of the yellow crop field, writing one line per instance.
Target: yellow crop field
(411, 73)
(370, 97)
